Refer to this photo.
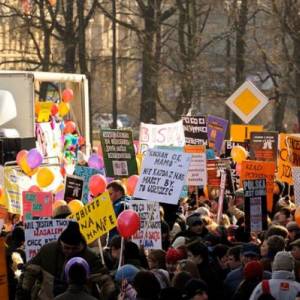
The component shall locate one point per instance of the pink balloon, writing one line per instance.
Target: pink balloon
(128, 223)
(95, 161)
(34, 158)
(97, 184)
(131, 184)
(60, 195)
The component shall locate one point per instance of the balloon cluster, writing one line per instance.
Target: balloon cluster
(29, 161)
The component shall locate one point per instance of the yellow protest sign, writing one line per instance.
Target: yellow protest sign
(96, 218)
(45, 111)
(240, 133)
(3, 272)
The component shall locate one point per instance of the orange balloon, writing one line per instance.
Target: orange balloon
(20, 155)
(70, 127)
(75, 206)
(58, 203)
(297, 215)
(25, 168)
(67, 95)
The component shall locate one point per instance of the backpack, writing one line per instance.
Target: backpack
(266, 295)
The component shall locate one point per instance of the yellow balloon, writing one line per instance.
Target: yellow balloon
(44, 177)
(238, 154)
(75, 206)
(63, 108)
(25, 168)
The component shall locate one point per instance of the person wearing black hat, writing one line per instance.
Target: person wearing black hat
(46, 269)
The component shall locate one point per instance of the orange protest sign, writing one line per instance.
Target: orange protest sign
(3, 272)
(253, 169)
(240, 133)
(284, 172)
(194, 149)
(293, 147)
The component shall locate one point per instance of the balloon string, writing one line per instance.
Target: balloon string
(148, 223)
(121, 253)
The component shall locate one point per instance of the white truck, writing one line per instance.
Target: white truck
(27, 87)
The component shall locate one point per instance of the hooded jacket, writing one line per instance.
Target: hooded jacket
(282, 286)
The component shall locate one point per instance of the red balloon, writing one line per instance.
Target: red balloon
(54, 109)
(70, 127)
(128, 223)
(34, 189)
(131, 184)
(81, 141)
(97, 184)
(67, 95)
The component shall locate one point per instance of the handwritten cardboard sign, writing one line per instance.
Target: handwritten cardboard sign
(168, 134)
(255, 205)
(163, 176)
(195, 130)
(96, 218)
(252, 169)
(41, 232)
(149, 222)
(37, 204)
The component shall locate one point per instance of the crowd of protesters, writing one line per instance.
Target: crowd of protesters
(200, 258)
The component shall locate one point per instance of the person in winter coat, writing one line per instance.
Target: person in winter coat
(44, 277)
(77, 271)
(282, 285)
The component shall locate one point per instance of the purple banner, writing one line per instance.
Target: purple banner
(216, 130)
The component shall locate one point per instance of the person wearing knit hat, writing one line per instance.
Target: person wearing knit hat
(282, 285)
(172, 257)
(253, 274)
(61, 212)
(50, 261)
(127, 272)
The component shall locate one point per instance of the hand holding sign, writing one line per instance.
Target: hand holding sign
(128, 223)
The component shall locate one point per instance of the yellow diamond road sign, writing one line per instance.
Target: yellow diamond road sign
(247, 101)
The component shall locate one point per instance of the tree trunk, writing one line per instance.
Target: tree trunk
(297, 76)
(81, 38)
(150, 70)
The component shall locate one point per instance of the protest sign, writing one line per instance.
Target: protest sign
(216, 129)
(168, 134)
(15, 182)
(41, 232)
(195, 130)
(252, 169)
(263, 146)
(150, 222)
(284, 172)
(255, 205)
(96, 218)
(37, 204)
(293, 147)
(45, 111)
(240, 133)
(228, 145)
(214, 168)
(86, 173)
(118, 153)
(296, 179)
(3, 271)
(197, 174)
(163, 176)
(73, 188)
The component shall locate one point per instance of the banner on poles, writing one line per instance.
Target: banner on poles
(263, 146)
(216, 129)
(163, 176)
(73, 188)
(255, 205)
(86, 173)
(118, 153)
(96, 218)
(252, 169)
(197, 174)
(37, 204)
(240, 133)
(150, 228)
(41, 232)
(168, 134)
(195, 130)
